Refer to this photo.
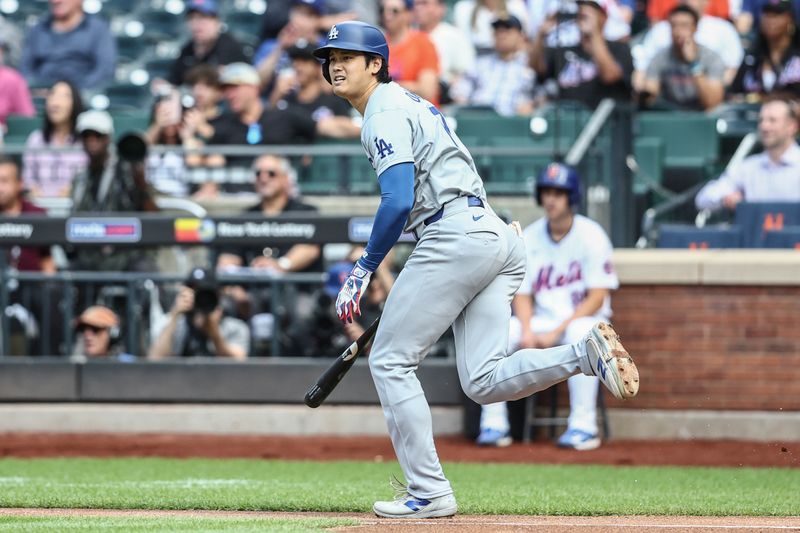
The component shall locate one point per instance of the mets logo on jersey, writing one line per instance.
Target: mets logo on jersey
(333, 34)
(557, 174)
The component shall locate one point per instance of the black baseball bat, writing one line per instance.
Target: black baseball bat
(334, 374)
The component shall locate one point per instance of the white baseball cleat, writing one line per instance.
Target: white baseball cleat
(410, 507)
(611, 362)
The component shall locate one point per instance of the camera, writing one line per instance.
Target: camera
(206, 290)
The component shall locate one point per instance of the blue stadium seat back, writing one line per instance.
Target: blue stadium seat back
(759, 218)
(694, 238)
(20, 127)
(788, 237)
(690, 140)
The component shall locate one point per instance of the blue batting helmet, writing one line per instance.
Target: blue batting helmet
(353, 35)
(559, 176)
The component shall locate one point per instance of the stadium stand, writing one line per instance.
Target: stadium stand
(688, 236)
(759, 219)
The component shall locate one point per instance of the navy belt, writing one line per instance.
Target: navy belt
(472, 201)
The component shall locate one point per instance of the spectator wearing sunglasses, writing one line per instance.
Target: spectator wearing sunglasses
(275, 184)
(98, 335)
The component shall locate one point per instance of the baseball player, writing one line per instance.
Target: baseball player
(565, 292)
(463, 272)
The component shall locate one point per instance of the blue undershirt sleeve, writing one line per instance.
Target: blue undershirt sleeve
(397, 199)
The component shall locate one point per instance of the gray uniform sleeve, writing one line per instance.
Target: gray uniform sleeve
(387, 139)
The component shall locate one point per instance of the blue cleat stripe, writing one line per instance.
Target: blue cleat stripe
(416, 505)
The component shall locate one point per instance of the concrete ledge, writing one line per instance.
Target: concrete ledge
(757, 426)
(708, 267)
(344, 420)
(210, 419)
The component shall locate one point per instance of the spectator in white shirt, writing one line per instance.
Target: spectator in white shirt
(770, 176)
(502, 80)
(712, 32)
(456, 53)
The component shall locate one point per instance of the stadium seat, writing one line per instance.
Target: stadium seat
(130, 123)
(115, 8)
(688, 236)
(20, 127)
(130, 49)
(337, 174)
(161, 25)
(759, 219)
(691, 144)
(788, 237)
(159, 67)
(649, 154)
(128, 97)
(243, 23)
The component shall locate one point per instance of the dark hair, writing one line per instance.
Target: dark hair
(760, 47)
(203, 73)
(383, 74)
(683, 8)
(77, 109)
(6, 160)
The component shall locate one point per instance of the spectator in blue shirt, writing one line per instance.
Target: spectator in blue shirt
(69, 44)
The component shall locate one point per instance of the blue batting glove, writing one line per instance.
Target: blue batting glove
(347, 303)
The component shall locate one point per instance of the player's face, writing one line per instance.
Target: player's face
(351, 74)
(555, 203)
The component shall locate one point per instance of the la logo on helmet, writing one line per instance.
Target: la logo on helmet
(333, 34)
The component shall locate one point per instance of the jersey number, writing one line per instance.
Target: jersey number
(436, 112)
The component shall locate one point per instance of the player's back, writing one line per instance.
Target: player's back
(401, 127)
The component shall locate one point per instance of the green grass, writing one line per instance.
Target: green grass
(348, 486)
(131, 524)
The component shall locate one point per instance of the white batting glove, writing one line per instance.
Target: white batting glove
(349, 298)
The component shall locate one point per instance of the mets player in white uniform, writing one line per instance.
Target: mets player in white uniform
(565, 292)
(463, 272)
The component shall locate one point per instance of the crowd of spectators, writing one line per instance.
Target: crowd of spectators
(224, 89)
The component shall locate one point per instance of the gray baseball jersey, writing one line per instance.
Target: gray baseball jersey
(463, 272)
(401, 127)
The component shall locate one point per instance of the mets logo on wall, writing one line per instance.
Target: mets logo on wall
(194, 230)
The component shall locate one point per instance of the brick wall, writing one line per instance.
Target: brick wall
(712, 347)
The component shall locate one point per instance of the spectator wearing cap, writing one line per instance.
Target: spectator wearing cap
(454, 48)
(752, 10)
(109, 184)
(99, 335)
(770, 176)
(69, 44)
(714, 33)
(208, 44)
(302, 29)
(773, 62)
(686, 75)
(305, 90)
(15, 97)
(413, 60)
(197, 326)
(593, 69)
(249, 122)
(475, 17)
(502, 80)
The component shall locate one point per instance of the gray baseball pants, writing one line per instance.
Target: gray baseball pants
(463, 272)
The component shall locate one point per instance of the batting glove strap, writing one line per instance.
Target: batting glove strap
(349, 298)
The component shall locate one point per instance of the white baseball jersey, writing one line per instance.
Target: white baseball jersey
(401, 127)
(559, 274)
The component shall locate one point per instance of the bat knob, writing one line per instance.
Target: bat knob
(313, 397)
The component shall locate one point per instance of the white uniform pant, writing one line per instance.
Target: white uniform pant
(582, 388)
(463, 272)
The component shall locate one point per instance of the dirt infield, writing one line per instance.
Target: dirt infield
(457, 449)
(474, 524)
